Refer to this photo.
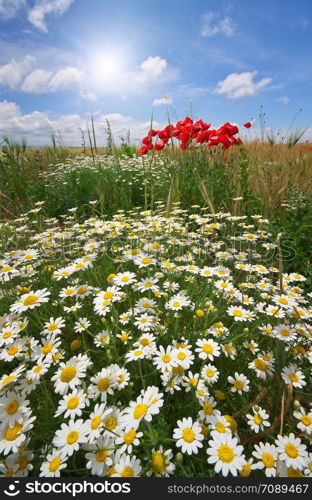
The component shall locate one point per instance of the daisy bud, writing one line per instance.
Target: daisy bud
(257, 408)
(109, 354)
(297, 404)
(200, 313)
(75, 344)
(178, 458)
(246, 330)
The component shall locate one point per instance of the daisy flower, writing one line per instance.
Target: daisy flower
(142, 409)
(13, 408)
(240, 383)
(69, 374)
(30, 300)
(229, 350)
(188, 435)
(258, 420)
(207, 349)
(128, 439)
(291, 451)
(98, 460)
(285, 333)
(53, 464)
(102, 338)
(103, 383)
(81, 325)
(123, 279)
(208, 408)
(127, 466)
(72, 404)
(305, 420)
(210, 374)
(238, 313)
(308, 470)
(160, 463)
(226, 454)
(218, 423)
(164, 359)
(54, 325)
(292, 375)
(12, 437)
(182, 356)
(70, 436)
(96, 421)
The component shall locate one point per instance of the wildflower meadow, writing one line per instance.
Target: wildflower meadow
(155, 308)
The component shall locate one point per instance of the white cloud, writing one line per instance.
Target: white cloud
(90, 96)
(66, 78)
(284, 99)
(37, 81)
(151, 69)
(238, 85)
(213, 25)
(163, 100)
(37, 126)
(9, 8)
(11, 74)
(42, 8)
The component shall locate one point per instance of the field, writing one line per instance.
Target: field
(155, 310)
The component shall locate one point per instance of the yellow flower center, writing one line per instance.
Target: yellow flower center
(7, 335)
(82, 290)
(30, 300)
(285, 332)
(103, 384)
(291, 472)
(226, 453)
(246, 470)
(208, 349)
(54, 464)
(72, 403)
(282, 300)
(166, 358)
(108, 295)
(124, 337)
(137, 353)
(306, 420)
(140, 410)
(5, 269)
(52, 327)
(209, 373)
(291, 450)
(220, 427)
(293, 377)
(188, 435)
(238, 313)
(129, 437)
(125, 279)
(261, 365)
(38, 369)
(13, 350)
(68, 373)
(95, 422)
(176, 303)
(22, 463)
(181, 356)
(127, 472)
(239, 384)
(72, 437)
(145, 342)
(146, 260)
(158, 462)
(207, 409)
(257, 419)
(47, 348)
(111, 423)
(268, 460)
(101, 456)
(12, 407)
(13, 432)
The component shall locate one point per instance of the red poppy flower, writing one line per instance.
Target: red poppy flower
(247, 124)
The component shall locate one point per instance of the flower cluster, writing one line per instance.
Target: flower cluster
(129, 345)
(188, 132)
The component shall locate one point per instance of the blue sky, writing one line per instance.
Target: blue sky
(62, 59)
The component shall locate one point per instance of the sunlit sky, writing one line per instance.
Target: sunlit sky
(127, 61)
